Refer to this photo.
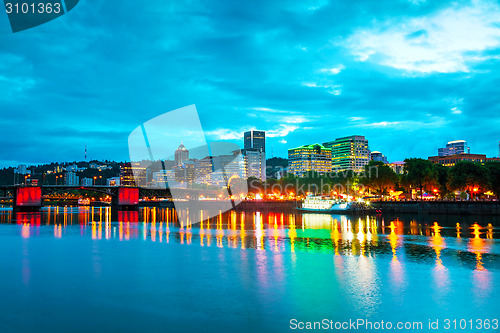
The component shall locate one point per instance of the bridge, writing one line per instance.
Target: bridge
(31, 198)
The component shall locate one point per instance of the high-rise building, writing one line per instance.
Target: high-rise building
(378, 156)
(255, 139)
(454, 148)
(254, 161)
(254, 154)
(349, 153)
(132, 174)
(307, 158)
(71, 179)
(181, 155)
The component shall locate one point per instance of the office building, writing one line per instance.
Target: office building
(451, 160)
(454, 148)
(181, 155)
(349, 153)
(71, 179)
(307, 158)
(185, 172)
(132, 174)
(254, 154)
(378, 156)
(255, 139)
(254, 163)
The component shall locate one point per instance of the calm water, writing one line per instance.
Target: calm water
(76, 270)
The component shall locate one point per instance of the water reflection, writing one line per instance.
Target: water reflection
(402, 239)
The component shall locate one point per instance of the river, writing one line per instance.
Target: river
(73, 269)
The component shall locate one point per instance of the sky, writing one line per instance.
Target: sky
(410, 75)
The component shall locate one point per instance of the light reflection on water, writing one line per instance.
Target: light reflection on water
(471, 244)
(363, 265)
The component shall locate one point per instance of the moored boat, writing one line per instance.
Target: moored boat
(318, 204)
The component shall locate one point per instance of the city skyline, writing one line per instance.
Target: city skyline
(410, 76)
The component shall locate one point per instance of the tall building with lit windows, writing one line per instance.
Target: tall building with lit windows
(349, 153)
(454, 148)
(254, 154)
(306, 158)
(254, 163)
(255, 139)
(132, 174)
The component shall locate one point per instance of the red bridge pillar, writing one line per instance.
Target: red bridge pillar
(27, 198)
(126, 198)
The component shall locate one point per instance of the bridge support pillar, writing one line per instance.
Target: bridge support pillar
(126, 198)
(27, 199)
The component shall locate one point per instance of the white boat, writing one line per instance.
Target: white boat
(320, 204)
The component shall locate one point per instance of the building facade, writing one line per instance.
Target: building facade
(181, 155)
(113, 181)
(378, 156)
(71, 179)
(349, 153)
(254, 154)
(132, 174)
(307, 158)
(161, 178)
(397, 167)
(454, 148)
(254, 163)
(451, 160)
(87, 181)
(255, 139)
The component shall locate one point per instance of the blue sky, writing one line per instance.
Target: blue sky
(409, 75)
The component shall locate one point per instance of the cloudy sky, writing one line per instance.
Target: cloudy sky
(409, 75)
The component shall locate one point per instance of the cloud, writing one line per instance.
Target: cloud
(281, 130)
(334, 70)
(331, 89)
(448, 41)
(433, 122)
(456, 111)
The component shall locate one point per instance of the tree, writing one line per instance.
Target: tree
(468, 176)
(420, 173)
(442, 179)
(378, 177)
(275, 165)
(494, 177)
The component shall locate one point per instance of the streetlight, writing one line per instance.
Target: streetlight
(95, 177)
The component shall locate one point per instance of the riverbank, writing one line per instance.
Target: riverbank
(440, 207)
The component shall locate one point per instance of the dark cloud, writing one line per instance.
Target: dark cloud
(95, 74)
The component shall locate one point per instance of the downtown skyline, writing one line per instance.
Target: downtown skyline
(409, 76)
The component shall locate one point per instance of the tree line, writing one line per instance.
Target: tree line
(470, 179)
